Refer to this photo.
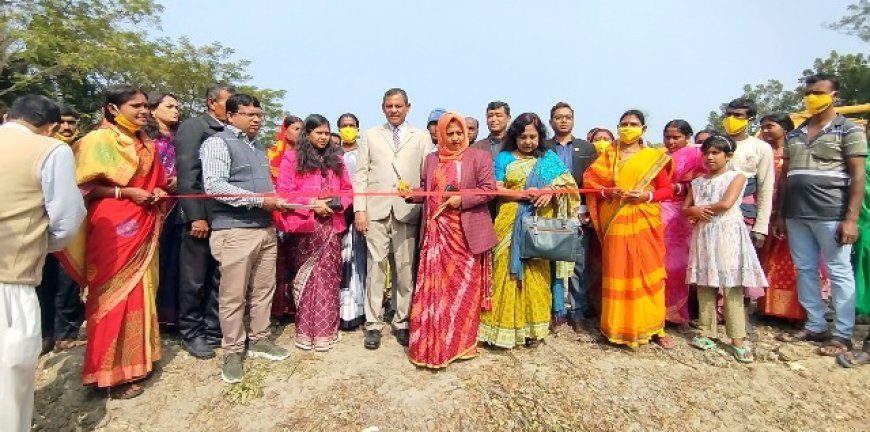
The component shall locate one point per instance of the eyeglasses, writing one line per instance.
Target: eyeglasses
(250, 116)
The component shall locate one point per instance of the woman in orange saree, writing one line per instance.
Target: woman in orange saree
(631, 180)
(115, 255)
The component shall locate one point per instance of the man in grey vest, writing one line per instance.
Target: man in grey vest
(243, 240)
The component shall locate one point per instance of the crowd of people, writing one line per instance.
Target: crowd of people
(206, 227)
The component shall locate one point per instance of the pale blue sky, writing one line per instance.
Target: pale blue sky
(669, 58)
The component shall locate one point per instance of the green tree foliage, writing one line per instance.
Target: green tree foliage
(73, 49)
(856, 22)
(773, 96)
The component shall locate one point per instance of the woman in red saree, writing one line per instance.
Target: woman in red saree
(115, 256)
(455, 278)
(283, 306)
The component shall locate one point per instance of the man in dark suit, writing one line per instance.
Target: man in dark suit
(198, 320)
(498, 118)
(577, 154)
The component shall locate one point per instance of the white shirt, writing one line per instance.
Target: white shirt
(64, 204)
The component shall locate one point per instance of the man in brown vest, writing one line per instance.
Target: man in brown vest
(40, 212)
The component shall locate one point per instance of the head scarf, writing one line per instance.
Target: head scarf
(444, 152)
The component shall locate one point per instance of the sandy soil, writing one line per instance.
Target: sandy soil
(570, 382)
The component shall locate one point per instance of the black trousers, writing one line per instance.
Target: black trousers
(60, 302)
(198, 284)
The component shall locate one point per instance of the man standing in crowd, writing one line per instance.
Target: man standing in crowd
(754, 158)
(473, 128)
(432, 124)
(390, 156)
(577, 154)
(60, 301)
(498, 118)
(198, 321)
(243, 240)
(824, 161)
(40, 212)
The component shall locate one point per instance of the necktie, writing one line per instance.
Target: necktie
(397, 140)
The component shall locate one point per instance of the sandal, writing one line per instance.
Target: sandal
(804, 335)
(703, 343)
(742, 354)
(853, 359)
(125, 391)
(665, 342)
(835, 347)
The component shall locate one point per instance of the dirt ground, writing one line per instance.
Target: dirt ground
(570, 382)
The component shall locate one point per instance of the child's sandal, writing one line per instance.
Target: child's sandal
(703, 343)
(742, 354)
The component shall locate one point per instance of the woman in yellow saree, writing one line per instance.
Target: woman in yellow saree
(631, 180)
(115, 256)
(521, 296)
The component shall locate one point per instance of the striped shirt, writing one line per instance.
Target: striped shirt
(216, 164)
(818, 172)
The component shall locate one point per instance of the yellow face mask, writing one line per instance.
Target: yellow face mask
(630, 134)
(734, 126)
(122, 121)
(348, 134)
(816, 104)
(66, 139)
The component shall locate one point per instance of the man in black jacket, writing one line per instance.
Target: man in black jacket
(577, 154)
(198, 321)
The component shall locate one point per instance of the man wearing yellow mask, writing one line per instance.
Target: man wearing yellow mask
(60, 302)
(824, 161)
(754, 158)
(68, 128)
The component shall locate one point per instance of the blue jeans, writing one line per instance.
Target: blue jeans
(807, 239)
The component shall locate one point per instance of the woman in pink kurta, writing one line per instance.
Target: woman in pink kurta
(688, 165)
(307, 176)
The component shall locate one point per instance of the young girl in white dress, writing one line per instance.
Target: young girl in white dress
(721, 255)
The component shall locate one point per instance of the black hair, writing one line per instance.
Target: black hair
(154, 100)
(704, 131)
(819, 77)
(494, 105)
(782, 119)
(636, 113)
(720, 142)
(241, 99)
(683, 126)
(744, 103)
(347, 115)
(395, 91)
(214, 91)
(36, 110)
(335, 135)
(518, 126)
(289, 119)
(310, 158)
(560, 105)
(68, 111)
(118, 95)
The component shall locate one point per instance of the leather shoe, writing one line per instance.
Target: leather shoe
(373, 339)
(198, 348)
(403, 336)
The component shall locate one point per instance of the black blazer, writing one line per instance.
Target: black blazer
(188, 141)
(583, 155)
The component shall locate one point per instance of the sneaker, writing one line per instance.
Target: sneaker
(233, 370)
(264, 348)
(373, 339)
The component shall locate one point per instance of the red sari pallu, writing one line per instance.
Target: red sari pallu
(445, 312)
(115, 257)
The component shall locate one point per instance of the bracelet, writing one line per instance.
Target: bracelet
(602, 194)
(679, 189)
(117, 192)
(650, 197)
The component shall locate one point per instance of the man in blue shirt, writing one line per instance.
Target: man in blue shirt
(577, 154)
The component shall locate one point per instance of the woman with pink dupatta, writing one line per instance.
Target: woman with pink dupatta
(688, 164)
(316, 168)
